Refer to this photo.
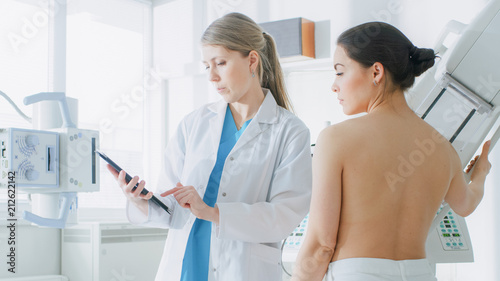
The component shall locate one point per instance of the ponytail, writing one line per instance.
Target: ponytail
(271, 74)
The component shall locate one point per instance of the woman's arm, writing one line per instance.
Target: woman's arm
(464, 197)
(319, 245)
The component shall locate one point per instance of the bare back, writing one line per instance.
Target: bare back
(394, 177)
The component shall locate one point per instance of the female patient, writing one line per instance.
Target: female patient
(371, 208)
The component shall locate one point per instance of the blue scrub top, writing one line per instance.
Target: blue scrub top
(196, 257)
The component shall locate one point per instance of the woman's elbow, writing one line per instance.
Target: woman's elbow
(464, 212)
(324, 253)
(466, 208)
(314, 259)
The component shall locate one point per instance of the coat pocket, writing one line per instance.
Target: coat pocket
(265, 263)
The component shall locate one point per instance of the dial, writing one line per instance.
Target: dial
(32, 140)
(32, 175)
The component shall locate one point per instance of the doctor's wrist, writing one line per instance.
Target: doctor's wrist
(211, 214)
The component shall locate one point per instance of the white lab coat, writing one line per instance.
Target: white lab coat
(263, 195)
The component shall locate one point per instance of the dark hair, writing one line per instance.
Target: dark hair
(373, 42)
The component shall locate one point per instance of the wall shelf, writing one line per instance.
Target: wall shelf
(312, 65)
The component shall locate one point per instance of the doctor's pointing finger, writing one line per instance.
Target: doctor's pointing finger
(188, 197)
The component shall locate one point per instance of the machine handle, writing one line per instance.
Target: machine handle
(60, 222)
(55, 96)
(452, 26)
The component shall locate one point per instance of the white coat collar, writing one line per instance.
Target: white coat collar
(267, 114)
(268, 111)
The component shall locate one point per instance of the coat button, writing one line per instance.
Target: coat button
(231, 158)
(224, 194)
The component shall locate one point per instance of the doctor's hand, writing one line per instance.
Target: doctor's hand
(135, 196)
(188, 197)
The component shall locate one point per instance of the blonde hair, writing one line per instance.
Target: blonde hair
(240, 33)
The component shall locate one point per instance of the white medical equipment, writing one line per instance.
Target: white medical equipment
(291, 246)
(460, 97)
(51, 164)
(462, 102)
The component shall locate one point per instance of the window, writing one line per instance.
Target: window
(24, 50)
(107, 70)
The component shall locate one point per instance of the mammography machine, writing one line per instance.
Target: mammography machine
(460, 97)
(462, 102)
(51, 164)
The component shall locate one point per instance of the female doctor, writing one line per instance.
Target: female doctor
(237, 173)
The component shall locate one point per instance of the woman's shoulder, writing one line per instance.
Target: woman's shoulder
(348, 129)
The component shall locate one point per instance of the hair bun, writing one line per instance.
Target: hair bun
(422, 59)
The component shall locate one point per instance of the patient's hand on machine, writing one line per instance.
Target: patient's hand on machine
(135, 197)
(483, 165)
(464, 197)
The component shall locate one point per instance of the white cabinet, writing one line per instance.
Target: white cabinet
(111, 252)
